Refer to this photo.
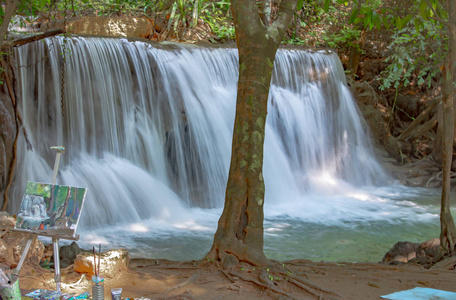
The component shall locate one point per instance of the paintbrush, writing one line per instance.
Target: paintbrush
(94, 262)
(99, 259)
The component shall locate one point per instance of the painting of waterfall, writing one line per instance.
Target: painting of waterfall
(148, 129)
(51, 209)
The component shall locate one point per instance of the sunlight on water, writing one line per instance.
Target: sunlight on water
(148, 131)
(411, 215)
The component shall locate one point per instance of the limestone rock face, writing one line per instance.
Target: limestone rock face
(12, 244)
(113, 262)
(112, 26)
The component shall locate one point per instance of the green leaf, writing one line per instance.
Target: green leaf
(326, 6)
(406, 20)
(424, 9)
(300, 5)
(353, 16)
(398, 23)
(418, 25)
(368, 20)
(386, 23)
(376, 20)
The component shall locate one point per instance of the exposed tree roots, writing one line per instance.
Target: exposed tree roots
(439, 177)
(186, 282)
(263, 285)
(311, 288)
(277, 278)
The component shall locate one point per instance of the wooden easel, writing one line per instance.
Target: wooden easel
(32, 235)
(54, 234)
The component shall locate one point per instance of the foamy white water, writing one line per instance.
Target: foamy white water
(148, 131)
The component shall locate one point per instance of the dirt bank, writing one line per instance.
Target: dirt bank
(161, 279)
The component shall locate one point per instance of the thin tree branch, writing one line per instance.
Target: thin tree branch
(37, 37)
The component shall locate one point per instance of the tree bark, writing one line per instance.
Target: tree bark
(10, 8)
(447, 226)
(355, 52)
(34, 38)
(239, 236)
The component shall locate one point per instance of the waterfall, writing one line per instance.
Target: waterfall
(148, 128)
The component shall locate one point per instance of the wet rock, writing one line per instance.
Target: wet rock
(68, 254)
(428, 248)
(12, 244)
(423, 254)
(113, 262)
(401, 252)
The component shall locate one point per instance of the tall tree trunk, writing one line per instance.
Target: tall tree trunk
(239, 236)
(10, 8)
(355, 51)
(447, 226)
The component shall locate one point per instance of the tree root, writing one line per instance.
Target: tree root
(186, 282)
(310, 287)
(439, 177)
(227, 275)
(409, 131)
(268, 287)
(305, 288)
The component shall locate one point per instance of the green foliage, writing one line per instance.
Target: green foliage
(418, 53)
(217, 16)
(46, 264)
(367, 14)
(347, 36)
(180, 14)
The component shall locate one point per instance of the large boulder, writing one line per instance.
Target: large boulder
(408, 252)
(401, 252)
(68, 254)
(112, 26)
(113, 262)
(12, 244)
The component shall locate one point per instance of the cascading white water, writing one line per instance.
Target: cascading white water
(148, 131)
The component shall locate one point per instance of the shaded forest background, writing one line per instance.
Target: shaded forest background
(391, 54)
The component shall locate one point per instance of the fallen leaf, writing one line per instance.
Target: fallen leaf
(373, 285)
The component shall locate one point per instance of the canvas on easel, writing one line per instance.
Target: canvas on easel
(50, 210)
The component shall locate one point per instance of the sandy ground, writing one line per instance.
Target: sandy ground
(161, 279)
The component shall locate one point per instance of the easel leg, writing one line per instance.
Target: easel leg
(31, 238)
(57, 277)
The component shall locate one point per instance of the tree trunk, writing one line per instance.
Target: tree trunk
(239, 236)
(447, 226)
(438, 141)
(355, 51)
(10, 9)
